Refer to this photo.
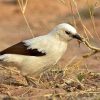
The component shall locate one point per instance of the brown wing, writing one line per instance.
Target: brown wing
(21, 49)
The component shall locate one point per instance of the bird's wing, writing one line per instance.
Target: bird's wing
(31, 47)
(42, 43)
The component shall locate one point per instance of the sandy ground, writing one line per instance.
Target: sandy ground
(42, 17)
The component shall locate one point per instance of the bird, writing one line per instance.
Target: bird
(37, 54)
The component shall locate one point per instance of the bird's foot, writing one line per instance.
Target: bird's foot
(31, 81)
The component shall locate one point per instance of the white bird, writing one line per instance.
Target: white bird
(38, 54)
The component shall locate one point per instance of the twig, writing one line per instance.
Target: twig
(95, 49)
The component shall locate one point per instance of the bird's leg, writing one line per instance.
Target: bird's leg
(31, 81)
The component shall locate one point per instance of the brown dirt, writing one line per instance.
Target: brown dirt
(43, 16)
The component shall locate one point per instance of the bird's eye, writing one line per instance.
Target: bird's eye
(67, 32)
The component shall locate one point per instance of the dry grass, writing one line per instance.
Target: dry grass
(70, 83)
(75, 82)
(23, 5)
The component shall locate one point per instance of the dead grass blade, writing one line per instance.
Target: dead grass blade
(62, 1)
(80, 19)
(22, 5)
(69, 63)
(91, 11)
(74, 21)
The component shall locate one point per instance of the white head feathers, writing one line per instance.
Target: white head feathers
(66, 27)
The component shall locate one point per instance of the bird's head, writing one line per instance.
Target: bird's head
(67, 32)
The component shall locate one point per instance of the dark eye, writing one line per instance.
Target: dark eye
(67, 32)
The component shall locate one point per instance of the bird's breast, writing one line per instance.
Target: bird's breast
(57, 51)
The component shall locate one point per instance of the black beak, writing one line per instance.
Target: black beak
(77, 36)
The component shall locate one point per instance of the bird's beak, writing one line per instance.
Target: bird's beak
(78, 37)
